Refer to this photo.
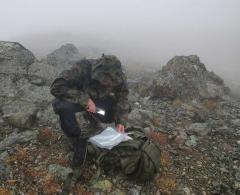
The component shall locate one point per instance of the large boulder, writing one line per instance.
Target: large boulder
(42, 73)
(18, 138)
(22, 107)
(186, 78)
(14, 58)
(64, 57)
(24, 87)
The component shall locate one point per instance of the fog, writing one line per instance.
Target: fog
(148, 32)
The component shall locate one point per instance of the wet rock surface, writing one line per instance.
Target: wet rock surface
(196, 126)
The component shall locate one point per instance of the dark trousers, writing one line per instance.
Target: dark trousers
(66, 110)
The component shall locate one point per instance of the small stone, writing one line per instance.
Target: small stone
(3, 156)
(192, 141)
(200, 129)
(237, 185)
(186, 191)
(223, 170)
(135, 191)
(59, 171)
(199, 163)
(204, 193)
(104, 185)
(237, 175)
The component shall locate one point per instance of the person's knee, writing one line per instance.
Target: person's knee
(62, 106)
(69, 125)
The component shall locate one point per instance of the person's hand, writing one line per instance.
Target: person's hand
(91, 107)
(120, 128)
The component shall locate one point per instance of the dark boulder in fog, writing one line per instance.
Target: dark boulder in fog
(186, 77)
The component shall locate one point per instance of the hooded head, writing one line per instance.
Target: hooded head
(108, 71)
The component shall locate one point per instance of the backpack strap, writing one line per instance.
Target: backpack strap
(151, 149)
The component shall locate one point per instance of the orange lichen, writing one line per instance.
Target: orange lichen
(166, 183)
(5, 192)
(157, 137)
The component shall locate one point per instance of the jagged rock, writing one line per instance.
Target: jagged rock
(42, 73)
(23, 102)
(23, 90)
(20, 119)
(46, 116)
(139, 117)
(14, 58)
(185, 77)
(64, 57)
(18, 138)
(59, 171)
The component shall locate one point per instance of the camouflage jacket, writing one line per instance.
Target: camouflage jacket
(76, 84)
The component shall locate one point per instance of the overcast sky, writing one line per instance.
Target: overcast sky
(152, 31)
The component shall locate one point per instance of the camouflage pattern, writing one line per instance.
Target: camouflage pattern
(95, 79)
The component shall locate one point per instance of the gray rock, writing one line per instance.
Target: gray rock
(22, 120)
(18, 138)
(19, 106)
(235, 123)
(42, 73)
(7, 87)
(64, 57)
(59, 171)
(192, 141)
(185, 77)
(25, 104)
(135, 191)
(139, 117)
(47, 116)
(28, 92)
(141, 85)
(183, 190)
(200, 129)
(3, 156)
(14, 58)
(200, 116)
(4, 171)
(103, 185)
(237, 175)
(25, 101)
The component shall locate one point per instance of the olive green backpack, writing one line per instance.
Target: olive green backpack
(138, 159)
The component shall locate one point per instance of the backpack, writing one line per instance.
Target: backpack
(138, 159)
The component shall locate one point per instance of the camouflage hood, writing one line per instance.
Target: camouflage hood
(108, 71)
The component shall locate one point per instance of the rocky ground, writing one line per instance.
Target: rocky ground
(186, 110)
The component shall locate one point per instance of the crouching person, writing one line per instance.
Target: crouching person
(86, 87)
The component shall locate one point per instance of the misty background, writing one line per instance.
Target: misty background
(139, 32)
